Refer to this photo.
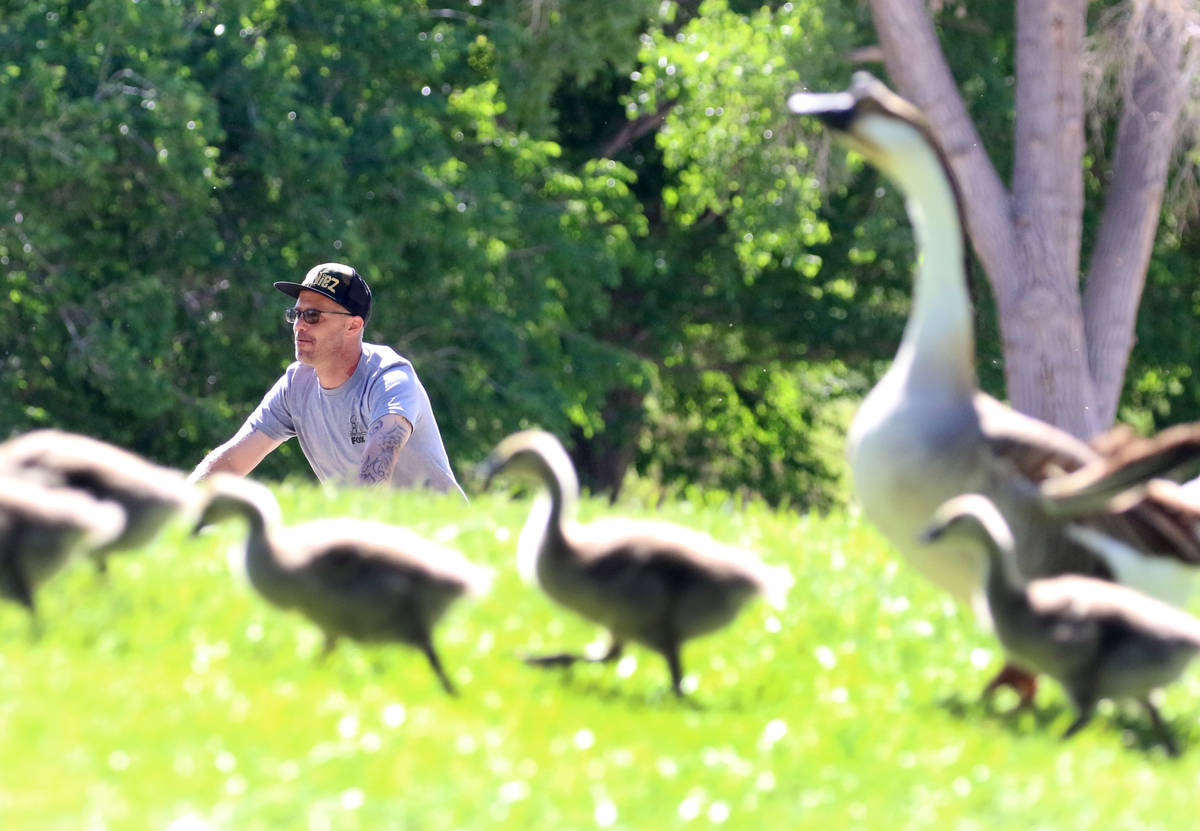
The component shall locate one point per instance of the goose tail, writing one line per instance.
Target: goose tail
(478, 579)
(777, 582)
(106, 523)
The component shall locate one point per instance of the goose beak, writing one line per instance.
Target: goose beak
(486, 471)
(825, 105)
(932, 534)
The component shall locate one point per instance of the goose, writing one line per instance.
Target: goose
(926, 432)
(42, 529)
(1097, 638)
(365, 580)
(654, 583)
(149, 493)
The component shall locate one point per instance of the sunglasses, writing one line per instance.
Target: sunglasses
(310, 316)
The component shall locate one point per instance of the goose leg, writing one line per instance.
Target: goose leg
(565, 659)
(15, 581)
(1020, 681)
(100, 561)
(22, 592)
(1085, 715)
(1164, 732)
(425, 644)
(675, 665)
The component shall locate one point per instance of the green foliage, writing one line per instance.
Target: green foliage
(781, 280)
(103, 140)
(1160, 388)
(166, 162)
(727, 138)
(170, 696)
(169, 161)
(778, 426)
(593, 218)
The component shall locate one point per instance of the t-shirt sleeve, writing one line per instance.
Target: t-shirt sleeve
(397, 391)
(273, 417)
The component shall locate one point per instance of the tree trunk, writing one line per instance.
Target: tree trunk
(1041, 311)
(602, 460)
(1152, 98)
(1065, 353)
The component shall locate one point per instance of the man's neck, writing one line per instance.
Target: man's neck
(338, 370)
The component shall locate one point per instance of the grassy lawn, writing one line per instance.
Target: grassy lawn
(168, 696)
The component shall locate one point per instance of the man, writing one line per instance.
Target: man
(358, 409)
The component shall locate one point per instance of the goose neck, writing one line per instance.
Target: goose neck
(562, 498)
(1006, 586)
(939, 336)
(262, 563)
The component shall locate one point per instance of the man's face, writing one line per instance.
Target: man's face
(318, 341)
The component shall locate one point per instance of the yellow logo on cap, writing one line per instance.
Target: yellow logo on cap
(324, 280)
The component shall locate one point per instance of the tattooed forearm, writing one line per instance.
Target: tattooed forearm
(384, 440)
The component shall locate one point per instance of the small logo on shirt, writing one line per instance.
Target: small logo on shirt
(358, 433)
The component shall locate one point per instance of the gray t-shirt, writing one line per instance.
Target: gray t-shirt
(332, 424)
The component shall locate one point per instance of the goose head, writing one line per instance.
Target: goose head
(975, 519)
(224, 496)
(871, 119)
(894, 136)
(535, 453)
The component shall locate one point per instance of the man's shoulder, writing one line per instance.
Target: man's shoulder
(381, 358)
(298, 374)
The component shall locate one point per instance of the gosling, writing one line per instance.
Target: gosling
(653, 583)
(1096, 638)
(364, 580)
(42, 529)
(149, 493)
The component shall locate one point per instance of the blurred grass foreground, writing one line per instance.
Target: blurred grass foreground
(167, 695)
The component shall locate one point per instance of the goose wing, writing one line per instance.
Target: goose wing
(344, 553)
(1036, 449)
(651, 581)
(620, 551)
(1074, 599)
(1159, 520)
(80, 461)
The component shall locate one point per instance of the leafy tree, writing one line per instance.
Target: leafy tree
(596, 219)
(1066, 344)
(167, 162)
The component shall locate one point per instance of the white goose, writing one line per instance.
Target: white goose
(654, 583)
(926, 433)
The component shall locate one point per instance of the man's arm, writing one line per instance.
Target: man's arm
(384, 439)
(240, 455)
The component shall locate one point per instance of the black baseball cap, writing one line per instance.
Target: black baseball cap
(340, 283)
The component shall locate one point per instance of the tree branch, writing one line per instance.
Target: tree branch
(1154, 89)
(634, 129)
(905, 32)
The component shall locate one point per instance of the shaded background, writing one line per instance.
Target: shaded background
(593, 218)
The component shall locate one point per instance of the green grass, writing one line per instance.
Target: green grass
(168, 696)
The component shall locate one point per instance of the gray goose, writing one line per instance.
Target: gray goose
(926, 432)
(368, 581)
(653, 583)
(149, 494)
(42, 528)
(1097, 638)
